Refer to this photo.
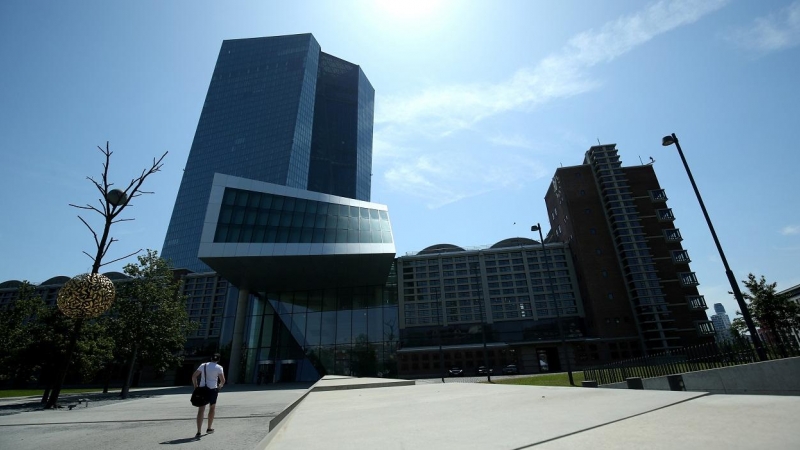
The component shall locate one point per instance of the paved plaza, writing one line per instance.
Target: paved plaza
(157, 418)
(348, 413)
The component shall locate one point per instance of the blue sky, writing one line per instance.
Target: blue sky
(477, 104)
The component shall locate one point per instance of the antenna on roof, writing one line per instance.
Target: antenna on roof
(651, 161)
(598, 141)
(640, 160)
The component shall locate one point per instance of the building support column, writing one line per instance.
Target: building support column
(238, 337)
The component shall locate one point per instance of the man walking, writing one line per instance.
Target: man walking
(211, 375)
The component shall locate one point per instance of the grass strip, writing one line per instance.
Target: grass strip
(550, 379)
(39, 392)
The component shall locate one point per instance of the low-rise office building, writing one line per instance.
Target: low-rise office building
(490, 307)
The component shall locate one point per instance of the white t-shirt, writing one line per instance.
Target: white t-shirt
(213, 370)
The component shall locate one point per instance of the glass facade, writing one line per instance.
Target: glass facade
(343, 115)
(248, 216)
(298, 335)
(258, 122)
(206, 297)
(303, 335)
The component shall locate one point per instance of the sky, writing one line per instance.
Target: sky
(477, 104)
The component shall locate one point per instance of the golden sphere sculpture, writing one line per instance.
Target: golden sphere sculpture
(85, 296)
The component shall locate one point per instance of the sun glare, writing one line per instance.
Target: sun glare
(409, 9)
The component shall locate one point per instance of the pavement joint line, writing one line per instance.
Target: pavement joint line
(129, 421)
(704, 394)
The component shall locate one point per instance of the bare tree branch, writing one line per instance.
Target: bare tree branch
(119, 259)
(108, 246)
(110, 211)
(97, 185)
(133, 189)
(88, 206)
(90, 229)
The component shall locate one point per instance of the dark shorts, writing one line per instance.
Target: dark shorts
(213, 396)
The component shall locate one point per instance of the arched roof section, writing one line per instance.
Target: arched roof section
(10, 284)
(55, 280)
(515, 242)
(441, 248)
(116, 276)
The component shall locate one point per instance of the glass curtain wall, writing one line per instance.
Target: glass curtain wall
(304, 335)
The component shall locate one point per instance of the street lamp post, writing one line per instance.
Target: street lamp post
(666, 142)
(474, 270)
(439, 320)
(538, 228)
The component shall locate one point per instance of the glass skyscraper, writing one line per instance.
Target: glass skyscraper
(277, 110)
(293, 266)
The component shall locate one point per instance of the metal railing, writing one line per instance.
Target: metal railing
(689, 359)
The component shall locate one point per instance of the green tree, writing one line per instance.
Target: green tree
(149, 321)
(18, 325)
(772, 312)
(32, 336)
(738, 327)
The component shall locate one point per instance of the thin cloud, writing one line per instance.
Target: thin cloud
(439, 112)
(790, 230)
(438, 178)
(776, 31)
(445, 109)
(517, 141)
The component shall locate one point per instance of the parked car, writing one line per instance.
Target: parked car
(510, 369)
(456, 372)
(482, 370)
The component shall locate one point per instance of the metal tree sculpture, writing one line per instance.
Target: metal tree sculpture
(86, 296)
(89, 295)
(112, 203)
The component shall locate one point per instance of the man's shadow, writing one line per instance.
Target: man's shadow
(180, 441)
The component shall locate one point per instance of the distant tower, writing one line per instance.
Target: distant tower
(722, 323)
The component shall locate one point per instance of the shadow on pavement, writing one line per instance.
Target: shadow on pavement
(180, 441)
(69, 401)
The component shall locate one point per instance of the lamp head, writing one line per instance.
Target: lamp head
(534, 228)
(666, 141)
(116, 197)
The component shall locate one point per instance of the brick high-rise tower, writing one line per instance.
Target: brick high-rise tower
(638, 290)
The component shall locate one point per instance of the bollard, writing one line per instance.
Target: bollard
(676, 383)
(589, 383)
(635, 383)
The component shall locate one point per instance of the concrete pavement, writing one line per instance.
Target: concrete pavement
(164, 418)
(710, 422)
(486, 416)
(347, 413)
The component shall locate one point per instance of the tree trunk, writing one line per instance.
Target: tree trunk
(127, 385)
(46, 394)
(47, 380)
(52, 401)
(108, 377)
